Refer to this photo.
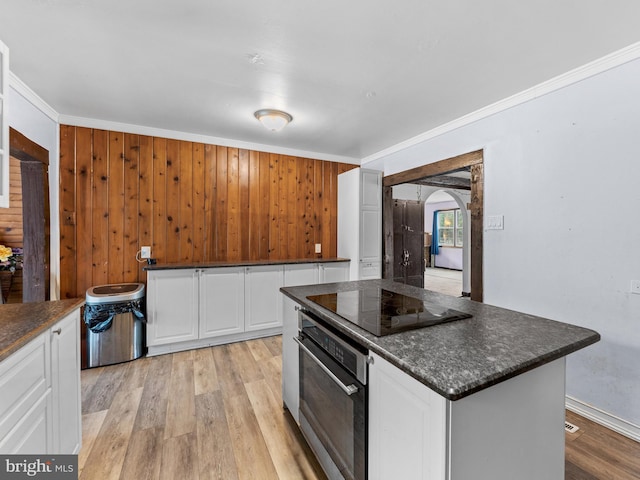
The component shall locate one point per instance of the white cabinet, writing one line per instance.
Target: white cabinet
(262, 297)
(65, 379)
(40, 408)
(172, 306)
(221, 301)
(4, 126)
(290, 362)
(301, 274)
(514, 429)
(407, 426)
(313, 273)
(331, 272)
(26, 424)
(360, 222)
(197, 307)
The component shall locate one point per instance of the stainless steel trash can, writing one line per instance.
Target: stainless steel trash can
(115, 320)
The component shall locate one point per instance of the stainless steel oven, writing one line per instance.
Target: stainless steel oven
(333, 398)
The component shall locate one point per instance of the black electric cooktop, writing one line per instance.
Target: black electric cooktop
(382, 312)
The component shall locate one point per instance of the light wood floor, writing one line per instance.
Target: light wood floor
(216, 413)
(213, 413)
(595, 452)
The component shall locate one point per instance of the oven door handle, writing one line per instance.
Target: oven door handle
(348, 389)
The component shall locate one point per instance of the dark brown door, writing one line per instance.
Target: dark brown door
(35, 208)
(408, 242)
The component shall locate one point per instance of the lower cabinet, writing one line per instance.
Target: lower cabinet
(195, 307)
(221, 295)
(407, 426)
(172, 306)
(262, 297)
(290, 361)
(514, 429)
(65, 379)
(40, 410)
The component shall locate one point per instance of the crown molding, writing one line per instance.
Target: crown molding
(591, 69)
(32, 97)
(193, 137)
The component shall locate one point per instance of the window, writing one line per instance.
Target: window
(450, 232)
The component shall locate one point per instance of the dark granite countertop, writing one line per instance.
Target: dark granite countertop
(245, 263)
(22, 322)
(459, 358)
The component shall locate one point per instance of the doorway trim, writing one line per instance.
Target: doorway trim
(34, 161)
(475, 162)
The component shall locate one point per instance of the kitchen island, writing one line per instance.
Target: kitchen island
(478, 398)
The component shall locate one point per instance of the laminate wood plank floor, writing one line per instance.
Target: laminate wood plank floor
(595, 452)
(211, 413)
(216, 413)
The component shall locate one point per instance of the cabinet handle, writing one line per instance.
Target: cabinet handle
(57, 331)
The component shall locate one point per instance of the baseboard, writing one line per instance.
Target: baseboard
(603, 418)
(154, 350)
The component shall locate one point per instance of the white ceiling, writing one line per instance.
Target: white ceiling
(357, 76)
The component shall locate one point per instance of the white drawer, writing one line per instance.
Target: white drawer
(370, 270)
(24, 379)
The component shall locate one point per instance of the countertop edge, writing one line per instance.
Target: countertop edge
(482, 384)
(247, 263)
(25, 338)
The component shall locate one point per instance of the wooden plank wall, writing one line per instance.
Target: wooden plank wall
(11, 233)
(11, 224)
(191, 202)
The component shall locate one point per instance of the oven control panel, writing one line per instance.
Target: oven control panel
(340, 349)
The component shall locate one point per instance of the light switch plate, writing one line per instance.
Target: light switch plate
(495, 222)
(145, 252)
(635, 287)
(318, 248)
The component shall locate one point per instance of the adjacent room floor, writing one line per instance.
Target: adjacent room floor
(443, 280)
(216, 413)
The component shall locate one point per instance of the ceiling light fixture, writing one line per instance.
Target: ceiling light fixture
(274, 120)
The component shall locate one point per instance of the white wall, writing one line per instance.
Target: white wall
(559, 168)
(35, 120)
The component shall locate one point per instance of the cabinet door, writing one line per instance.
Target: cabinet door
(371, 189)
(221, 301)
(407, 426)
(290, 364)
(303, 274)
(370, 235)
(262, 297)
(172, 306)
(334, 272)
(65, 370)
(25, 399)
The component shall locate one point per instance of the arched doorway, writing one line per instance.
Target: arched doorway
(449, 272)
(439, 174)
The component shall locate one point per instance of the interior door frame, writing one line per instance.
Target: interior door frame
(475, 162)
(29, 152)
